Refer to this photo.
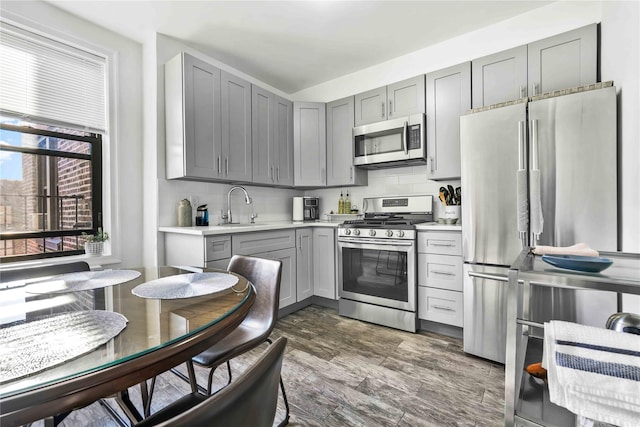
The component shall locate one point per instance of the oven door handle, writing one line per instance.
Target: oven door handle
(378, 245)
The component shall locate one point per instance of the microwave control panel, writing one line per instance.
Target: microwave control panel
(413, 137)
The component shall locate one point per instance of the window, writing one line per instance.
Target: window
(52, 120)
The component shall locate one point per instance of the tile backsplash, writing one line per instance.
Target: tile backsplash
(276, 204)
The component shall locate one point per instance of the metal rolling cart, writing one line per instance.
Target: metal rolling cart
(527, 401)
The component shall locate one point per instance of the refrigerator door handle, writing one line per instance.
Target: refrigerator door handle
(521, 189)
(535, 188)
(534, 144)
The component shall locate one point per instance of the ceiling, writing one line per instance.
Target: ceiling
(293, 45)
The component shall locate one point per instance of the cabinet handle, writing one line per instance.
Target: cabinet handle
(218, 165)
(535, 89)
(271, 172)
(390, 109)
(300, 243)
(448, 245)
(382, 115)
(443, 273)
(523, 91)
(278, 173)
(350, 173)
(226, 164)
(442, 307)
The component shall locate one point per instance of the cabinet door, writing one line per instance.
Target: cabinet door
(499, 77)
(406, 97)
(283, 140)
(448, 97)
(304, 264)
(563, 61)
(324, 266)
(193, 135)
(340, 169)
(236, 127)
(309, 144)
(262, 147)
(288, 279)
(371, 106)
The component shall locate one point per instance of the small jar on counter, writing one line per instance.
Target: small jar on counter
(184, 213)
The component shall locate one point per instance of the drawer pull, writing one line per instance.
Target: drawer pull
(442, 244)
(443, 273)
(442, 307)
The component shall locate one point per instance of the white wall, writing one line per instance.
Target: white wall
(122, 146)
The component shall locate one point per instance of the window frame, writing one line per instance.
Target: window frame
(96, 160)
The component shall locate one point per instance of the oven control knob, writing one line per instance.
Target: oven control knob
(356, 232)
(372, 232)
(389, 233)
(347, 231)
(400, 233)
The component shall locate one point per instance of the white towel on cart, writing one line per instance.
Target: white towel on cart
(593, 372)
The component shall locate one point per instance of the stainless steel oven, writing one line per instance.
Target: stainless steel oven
(377, 262)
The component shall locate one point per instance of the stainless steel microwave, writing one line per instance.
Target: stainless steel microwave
(396, 142)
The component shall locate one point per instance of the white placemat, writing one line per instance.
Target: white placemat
(32, 347)
(186, 286)
(80, 281)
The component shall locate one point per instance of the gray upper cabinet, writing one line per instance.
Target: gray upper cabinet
(192, 107)
(283, 130)
(272, 125)
(309, 144)
(371, 106)
(235, 162)
(340, 169)
(559, 62)
(500, 77)
(563, 61)
(399, 99)
(448, 97)
(406, 97)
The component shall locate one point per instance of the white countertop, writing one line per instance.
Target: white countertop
(244, 228)
(436, 226)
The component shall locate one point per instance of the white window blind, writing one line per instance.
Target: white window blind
(42, 80)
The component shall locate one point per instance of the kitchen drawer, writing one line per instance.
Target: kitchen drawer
(440, 271)
(217, 247)
(440, 242)
(264, 241)
(440, 306)
(220, 264)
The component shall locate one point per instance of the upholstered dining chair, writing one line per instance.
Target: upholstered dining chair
(265, 274)
(251, 400)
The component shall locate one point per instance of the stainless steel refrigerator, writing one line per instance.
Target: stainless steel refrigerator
(535, 172)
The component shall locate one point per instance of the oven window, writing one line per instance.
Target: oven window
(377, 273)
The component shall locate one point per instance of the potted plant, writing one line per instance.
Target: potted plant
(94, 243)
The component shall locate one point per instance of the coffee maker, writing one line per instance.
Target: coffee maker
(311, 208)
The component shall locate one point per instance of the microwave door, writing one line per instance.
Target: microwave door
(389, 141)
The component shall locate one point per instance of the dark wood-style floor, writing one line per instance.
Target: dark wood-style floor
(343, 372)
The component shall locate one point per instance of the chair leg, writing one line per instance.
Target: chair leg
(186, 379)
(284, 397)
(210, 383)
(229, 371)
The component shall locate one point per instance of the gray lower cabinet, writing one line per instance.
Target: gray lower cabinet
(324, 263)
(235, 102)
(440, 277)
(193, 131)
(340, 169)
(305, 265)
(559, 62)
(272, 138)
(309, 144)
(448, 94)
(196, 251)
(278, 244)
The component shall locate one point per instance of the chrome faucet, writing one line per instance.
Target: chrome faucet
(228, 218)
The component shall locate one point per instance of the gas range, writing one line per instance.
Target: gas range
(389, 218)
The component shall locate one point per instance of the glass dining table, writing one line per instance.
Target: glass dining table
(70, 340)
